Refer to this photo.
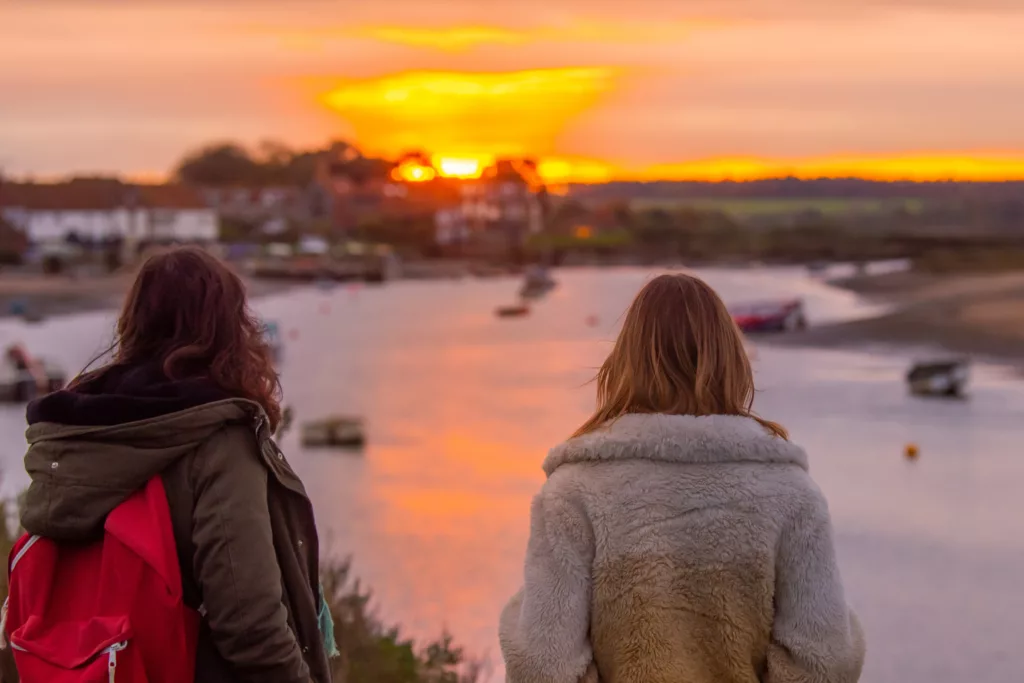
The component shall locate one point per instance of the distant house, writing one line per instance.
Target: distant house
(271, 210)
(175, 213)
(352, 190)
(499, 210)
(507, 203)
(451, 226)
(97, 210)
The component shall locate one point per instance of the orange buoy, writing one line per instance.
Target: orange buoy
(910, 451)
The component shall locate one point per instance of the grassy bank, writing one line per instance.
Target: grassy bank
(743, 208)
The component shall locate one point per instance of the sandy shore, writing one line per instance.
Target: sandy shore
(975, 315)
(46, 296)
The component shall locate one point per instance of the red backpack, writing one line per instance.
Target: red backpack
(104, 612)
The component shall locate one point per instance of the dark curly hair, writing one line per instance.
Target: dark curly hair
(187, 311)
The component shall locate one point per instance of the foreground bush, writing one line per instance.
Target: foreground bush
(374, 653)
(370, 651)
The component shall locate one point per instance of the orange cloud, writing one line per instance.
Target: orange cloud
(466, 115)
(464, 37)
(451, 39)
(468, 119)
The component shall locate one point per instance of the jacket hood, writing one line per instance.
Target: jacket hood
(87, 452)
(123, 393)
(678, 439)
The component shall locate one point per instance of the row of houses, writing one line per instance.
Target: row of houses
(346, 196)
(102, 210)
(493, 213)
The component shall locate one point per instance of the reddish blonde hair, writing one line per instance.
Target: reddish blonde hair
(679, 353)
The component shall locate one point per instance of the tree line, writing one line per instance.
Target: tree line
(229, 164)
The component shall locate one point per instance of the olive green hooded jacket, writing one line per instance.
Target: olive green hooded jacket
(244, 528)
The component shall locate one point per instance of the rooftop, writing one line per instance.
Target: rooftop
(97, 194)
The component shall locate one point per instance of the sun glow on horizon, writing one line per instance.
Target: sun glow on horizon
(466, 167)
(467, 115)
(413, 171)
(478, 117)
(922, 167)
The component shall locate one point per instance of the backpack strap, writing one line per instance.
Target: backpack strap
(19, 550)
(3, 624)
(31, 541)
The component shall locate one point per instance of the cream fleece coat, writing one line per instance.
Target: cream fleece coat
(679, 549)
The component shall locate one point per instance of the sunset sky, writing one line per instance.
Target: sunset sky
(596, 88)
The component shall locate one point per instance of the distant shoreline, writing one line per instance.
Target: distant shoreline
(980, 316)
(47, 296)
(972, 315)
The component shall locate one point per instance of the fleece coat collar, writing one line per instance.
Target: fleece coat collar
(686, 439)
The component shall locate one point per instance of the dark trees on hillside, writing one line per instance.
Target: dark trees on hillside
(230, 164)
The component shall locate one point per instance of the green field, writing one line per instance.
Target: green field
(752, 207)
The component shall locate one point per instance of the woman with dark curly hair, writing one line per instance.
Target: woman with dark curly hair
(191, 395)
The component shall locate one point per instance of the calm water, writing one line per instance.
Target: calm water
(462, 407)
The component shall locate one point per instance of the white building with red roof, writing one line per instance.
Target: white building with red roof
(104, 209)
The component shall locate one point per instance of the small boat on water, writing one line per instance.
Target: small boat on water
(770, 316)
(26, 311)
(23, 377)
(817, 268)
(334, 432)
(939, 378)
(515, 311)
(537, 283)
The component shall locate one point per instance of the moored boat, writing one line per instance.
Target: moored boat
(537, 283)
(940, 378)
(780, 316)
(515, 311)
(334, 432)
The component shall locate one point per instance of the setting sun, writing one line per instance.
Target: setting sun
(460, 167)
(412, 171)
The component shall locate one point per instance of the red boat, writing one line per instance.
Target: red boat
(778, 316)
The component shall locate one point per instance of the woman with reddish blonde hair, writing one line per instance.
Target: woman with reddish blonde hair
(678, 537)
(191, 395)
